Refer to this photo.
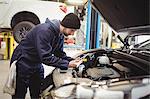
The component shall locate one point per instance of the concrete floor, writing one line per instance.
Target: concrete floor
(4, 67)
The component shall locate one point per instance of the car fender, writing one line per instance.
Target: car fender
(39, 8)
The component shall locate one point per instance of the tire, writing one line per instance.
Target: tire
(21, 30)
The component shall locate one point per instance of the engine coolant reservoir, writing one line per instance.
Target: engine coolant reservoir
(103, 60)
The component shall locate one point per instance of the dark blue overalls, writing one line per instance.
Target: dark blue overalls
(43, 44)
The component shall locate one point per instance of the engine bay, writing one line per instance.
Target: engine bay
(96, 68)
(104, 65)
(116, 73)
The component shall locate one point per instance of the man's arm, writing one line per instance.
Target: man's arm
(60, 50)
(44, 40)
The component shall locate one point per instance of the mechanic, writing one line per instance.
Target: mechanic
(43, 44)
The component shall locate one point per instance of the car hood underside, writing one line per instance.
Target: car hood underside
(125, 15)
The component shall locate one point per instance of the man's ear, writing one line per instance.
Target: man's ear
(61, 28)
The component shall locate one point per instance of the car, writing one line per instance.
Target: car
(122, 73)
(138, 41)
(143, 45)
(20, 16)
(108, 74)
(137, 44)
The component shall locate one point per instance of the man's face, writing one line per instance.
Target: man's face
(68, 31)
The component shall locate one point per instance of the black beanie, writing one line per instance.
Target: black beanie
(71, 20)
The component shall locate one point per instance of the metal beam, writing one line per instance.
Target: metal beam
(88, 26)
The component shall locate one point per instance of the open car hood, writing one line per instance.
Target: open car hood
(125, 15)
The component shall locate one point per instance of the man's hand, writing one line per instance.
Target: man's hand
(75, 63)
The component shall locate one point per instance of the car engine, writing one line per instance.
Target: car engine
(101, 72)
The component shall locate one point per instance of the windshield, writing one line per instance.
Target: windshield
(139, 41)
